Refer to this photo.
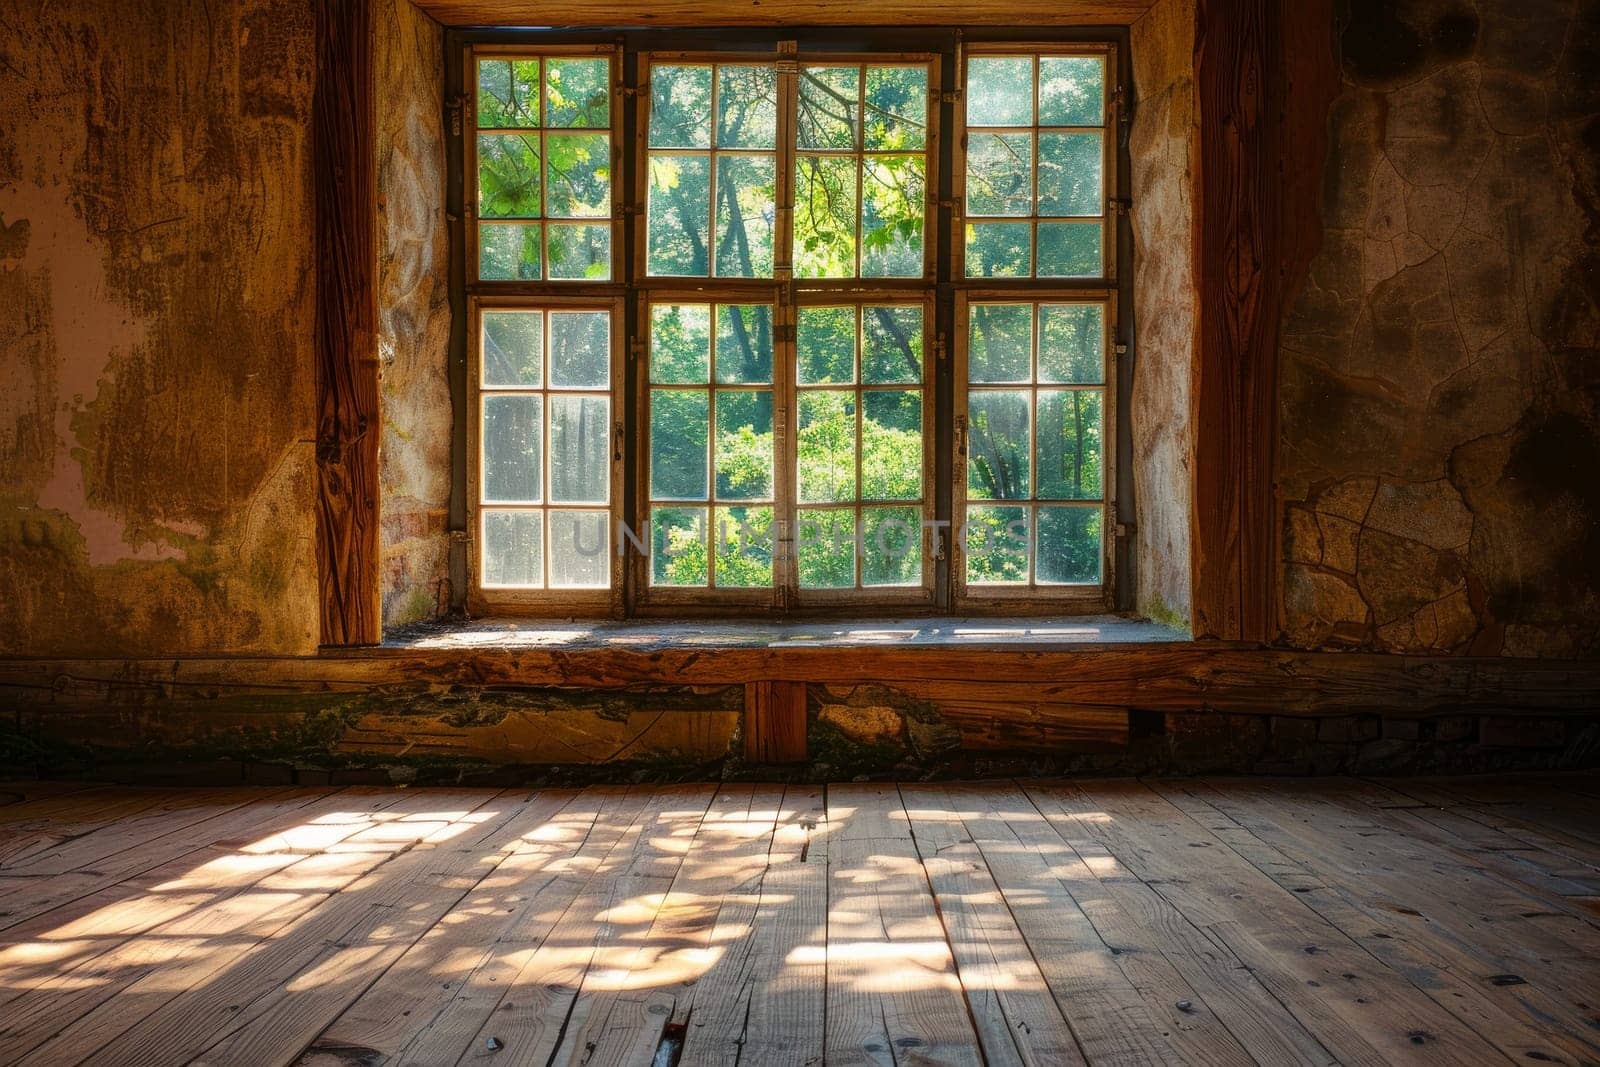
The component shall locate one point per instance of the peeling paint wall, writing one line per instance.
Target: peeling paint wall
(1163, 147)
(1440, 442)
(156, 283)
(413, 311)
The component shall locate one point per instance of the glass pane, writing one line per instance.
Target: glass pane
(1069, 250)
(826, 446)
(1000, 174)
(578, 175)
(679, 215)
(1071, 343)
(508, 92)
(826, 546)
(996, 544)
(579, 251)
(999, 250)
(891, 445)
(998, 445)
(578, 93)
(747, 106)
(680, 107)
(680, 344)
(744, 445)
(1069, 545)
(508, 175)
(580, 449)
(513, 548)
(1000, 91)
(743, 543)
(1070, 453)
(580, 349)
(829, 116)
(679, 438)
(892, 216)
(825, 217)
(891, 546)
(508, 252)
(893, 345)
(1000, 343)
(1069, 174)
(580, 554)
(746, 213)
(826, 345)
(897, 109)
(678, 546)
(1072, 91)
(513, 348)
(511, 449)
(744, 344)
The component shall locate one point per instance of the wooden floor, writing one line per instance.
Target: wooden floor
(1308, 921)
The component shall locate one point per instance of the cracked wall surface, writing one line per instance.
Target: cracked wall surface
(156, 281)
(1440, 436)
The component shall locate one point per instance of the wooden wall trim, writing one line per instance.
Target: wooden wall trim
(1265, 76)
(775, 722)
(345, 183)
(784, 13)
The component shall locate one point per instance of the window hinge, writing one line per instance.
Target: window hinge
(1120, 205)
(961, 436)
(939, 348)
(460, 537)
(1120, 349)
(950, 96)
(631, 91)
(616, 455)
(454, 106)
(635, 349)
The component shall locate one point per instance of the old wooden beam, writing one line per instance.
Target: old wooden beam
(345, 179)
(775, 722)
(784, 13)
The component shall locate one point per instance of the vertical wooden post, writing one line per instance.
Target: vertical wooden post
(345, 183)
(775, 722)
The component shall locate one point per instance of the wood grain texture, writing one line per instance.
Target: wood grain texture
(345, 181)
(783, 13)
(775, 722)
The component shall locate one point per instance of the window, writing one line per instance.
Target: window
(775, 321)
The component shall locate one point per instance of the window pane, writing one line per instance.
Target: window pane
(511, 449)
(1000, 91)
(999, 250)
(1000, 174)
(1069, 544)
(1071, 91)
(513, 548)
(580, 349)
(508, 92)
(829, 116)
(579, 251)
(508, 252)
(746, 213)
(747, 106)
(744, 344)
(744, 444)
(579, 175)
(891, 445)
(578, 93)
(826, 345)
(998, 445)
(996, 544)
(508, 175)
(897, 109)
(580, 554)
(1069, 174)
(1069, 250)
(825, 217)
(893, 343)
(743, 543)
(580, 449)
(826, 446)
(1000, 343)
(892, 216)
(1069, 444)
(513, 348)
(680, 107)
(679, 438)
(679, 215)
(826, 546)
(891, 546)
(678, 546)
(680, 344)
(1071, 343)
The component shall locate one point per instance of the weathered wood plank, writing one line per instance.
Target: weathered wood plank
(775, 722)
(782, 13)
